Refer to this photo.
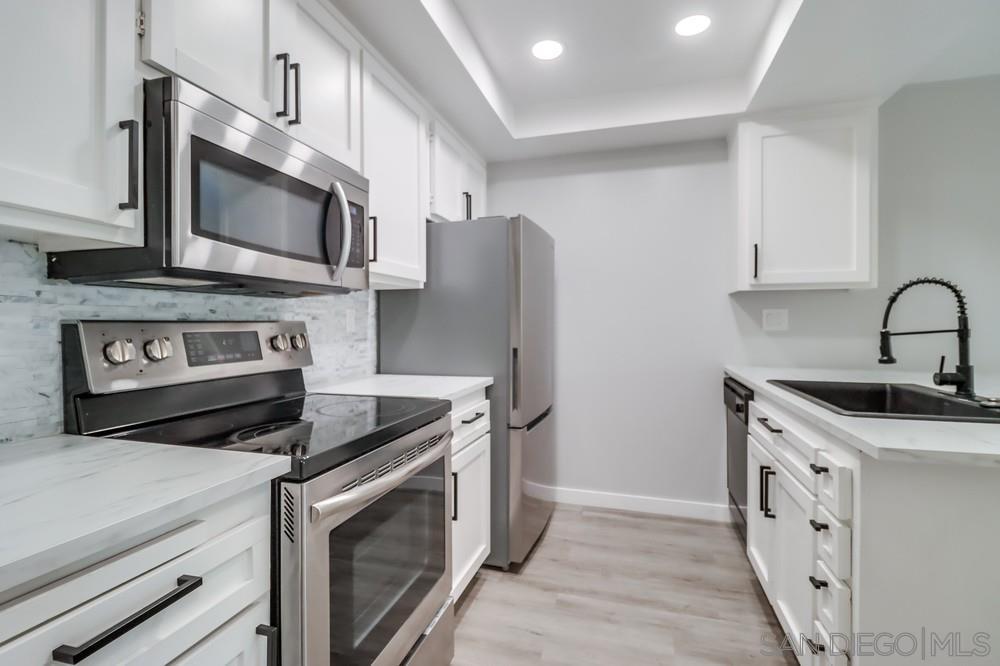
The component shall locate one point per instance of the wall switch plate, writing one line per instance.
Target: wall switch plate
(774, 320)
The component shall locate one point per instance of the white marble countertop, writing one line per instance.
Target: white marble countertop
(410, 386)
(65, 498)
(890, 439)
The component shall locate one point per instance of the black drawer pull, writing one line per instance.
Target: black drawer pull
(771, 429)
(271, 635)
(454, 496)
(133, 164)
(819, 527)
(815, 647)
(297, 68)
(475, 418)
(817, 583)
(69, 654)
(818, 469)
(285, 60)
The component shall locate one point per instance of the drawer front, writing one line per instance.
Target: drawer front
(465, 401)
(830, 654)
(236, 642)
(786, 443)
(833, 543)
(470, 424)
(833, 600)
(234, 569)
(834, 485)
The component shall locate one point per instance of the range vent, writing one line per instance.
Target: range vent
(288, 514)
(395, 463)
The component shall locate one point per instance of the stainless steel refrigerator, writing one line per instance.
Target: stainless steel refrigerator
(487, 309)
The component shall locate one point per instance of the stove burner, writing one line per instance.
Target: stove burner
(354, 405)
(289, 437)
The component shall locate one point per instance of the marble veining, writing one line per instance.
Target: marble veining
(341, 327)
(889, 439)
(64, 496)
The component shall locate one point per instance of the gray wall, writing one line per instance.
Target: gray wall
(644, 320)
(342, 329)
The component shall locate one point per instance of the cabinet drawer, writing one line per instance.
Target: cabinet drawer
(470, 424)
(234, 569)
(833, 543)
(827, 654)
(236, 642)
(834, 485)
(833, 600)
(795, 450)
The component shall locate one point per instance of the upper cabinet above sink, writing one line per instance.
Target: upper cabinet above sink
(806, 200)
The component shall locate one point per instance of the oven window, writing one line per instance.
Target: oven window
(240, 202)
(383, 562)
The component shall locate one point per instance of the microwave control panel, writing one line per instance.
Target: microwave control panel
(356, 259)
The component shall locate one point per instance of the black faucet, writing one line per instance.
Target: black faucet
(962, 378)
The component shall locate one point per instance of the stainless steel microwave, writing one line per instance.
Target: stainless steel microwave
(232, 205)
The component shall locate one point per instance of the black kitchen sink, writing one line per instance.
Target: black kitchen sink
(889, 401)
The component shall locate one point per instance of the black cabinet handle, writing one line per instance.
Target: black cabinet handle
(515, 377)
(133, 164)
(271, 635)
(475, 418)
(286, 61)
(374, 219)
(817, 469)
(767, 491)
(468, 205)
(755, 253)
(454, 496)
(68, 654)
(760, 486)
(817, 583)
(819, 527)
(771, 429)
(297, 68)
(815, 647)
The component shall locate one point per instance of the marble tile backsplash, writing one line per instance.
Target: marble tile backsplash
(341, 327)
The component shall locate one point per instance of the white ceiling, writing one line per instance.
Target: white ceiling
(624, 48)
(625, 79)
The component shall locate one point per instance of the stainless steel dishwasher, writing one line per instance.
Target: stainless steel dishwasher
(737, 399)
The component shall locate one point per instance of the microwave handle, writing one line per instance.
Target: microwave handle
(346, 231)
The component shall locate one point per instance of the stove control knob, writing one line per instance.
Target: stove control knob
(280, 342)
(119, 352)
(159, 349)
(299, 341)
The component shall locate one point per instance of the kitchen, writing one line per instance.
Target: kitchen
(355, 257)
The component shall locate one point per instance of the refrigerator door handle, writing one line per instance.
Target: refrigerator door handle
(515, 378)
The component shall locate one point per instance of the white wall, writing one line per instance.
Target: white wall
(644, 324)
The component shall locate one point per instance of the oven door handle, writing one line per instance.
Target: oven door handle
(371, 491)
(346, 231)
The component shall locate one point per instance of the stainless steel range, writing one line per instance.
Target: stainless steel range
(362, 529)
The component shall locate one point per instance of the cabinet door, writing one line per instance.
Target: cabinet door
(475, 185)
(69, 78)
(448, 176)
(470, 541)
(326, 92)
(223, 47)
(396, 163)
(808, 197)
(795, 541)
(761, 523)
(236, 642)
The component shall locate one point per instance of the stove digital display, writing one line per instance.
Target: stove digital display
(214, 348)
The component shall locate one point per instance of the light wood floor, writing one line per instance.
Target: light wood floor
(612, 588)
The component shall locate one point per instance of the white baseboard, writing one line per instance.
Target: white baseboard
(642, 503)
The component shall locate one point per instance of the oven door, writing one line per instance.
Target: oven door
(375, 562)
(248, 200)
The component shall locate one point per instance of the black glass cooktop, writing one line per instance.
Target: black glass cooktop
(319, 431)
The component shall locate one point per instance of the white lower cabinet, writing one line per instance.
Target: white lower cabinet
(795, 556)
(470, 537)
(238, 642)
(761, 525)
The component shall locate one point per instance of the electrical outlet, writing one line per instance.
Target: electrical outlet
(774, 321)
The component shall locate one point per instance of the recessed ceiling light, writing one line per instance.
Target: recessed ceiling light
(692, 25)
(547, 49)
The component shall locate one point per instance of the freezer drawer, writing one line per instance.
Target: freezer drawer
(531, 451)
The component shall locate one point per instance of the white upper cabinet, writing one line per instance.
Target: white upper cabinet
(224, 47)
(458, 177)
(71, 94)
(806, 196)
(396, 162)
(325, 81)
